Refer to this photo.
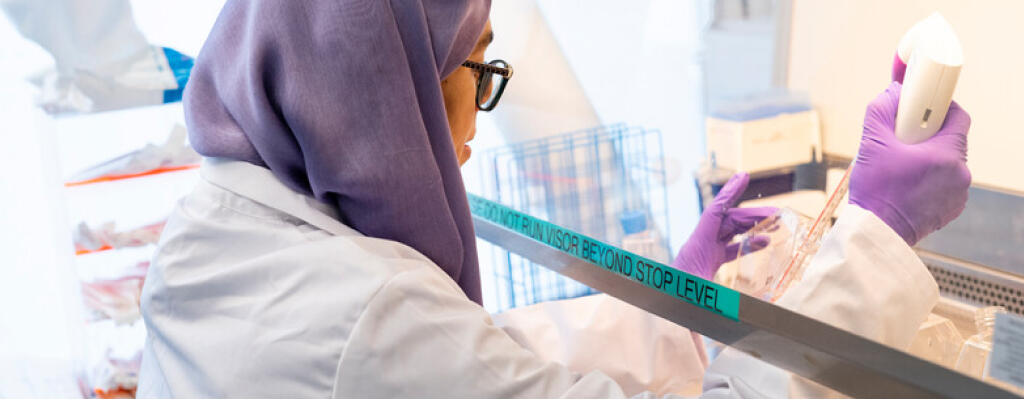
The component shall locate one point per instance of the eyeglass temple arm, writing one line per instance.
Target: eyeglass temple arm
(504, 72)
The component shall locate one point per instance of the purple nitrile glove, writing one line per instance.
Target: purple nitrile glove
(914, 188)
(708, 247)
(899, 68)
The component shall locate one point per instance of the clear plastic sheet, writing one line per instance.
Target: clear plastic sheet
(938, 341)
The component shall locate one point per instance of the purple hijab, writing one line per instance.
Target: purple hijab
(342, 100)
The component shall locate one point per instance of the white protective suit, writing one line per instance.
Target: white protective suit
(259, 291)
(102, 60)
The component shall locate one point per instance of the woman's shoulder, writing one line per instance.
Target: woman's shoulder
(240, 245)
(227, 234)
(244, 278)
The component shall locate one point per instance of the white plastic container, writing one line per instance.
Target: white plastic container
(762, 137)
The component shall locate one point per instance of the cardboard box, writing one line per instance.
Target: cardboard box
(762, 144)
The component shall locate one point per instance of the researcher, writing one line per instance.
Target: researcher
(328, 249)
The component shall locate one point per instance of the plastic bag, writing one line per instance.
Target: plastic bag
(88, 239)
(116, 378)
(174, 154)
(117, 299)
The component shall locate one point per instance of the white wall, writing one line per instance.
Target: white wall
(841, 54)
(36, 311)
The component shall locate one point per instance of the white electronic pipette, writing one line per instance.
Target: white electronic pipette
(933, 56)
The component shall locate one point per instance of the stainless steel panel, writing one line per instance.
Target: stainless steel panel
(830, 356)
(975, 284)
(989, 232)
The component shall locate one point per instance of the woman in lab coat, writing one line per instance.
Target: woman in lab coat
(328, 248)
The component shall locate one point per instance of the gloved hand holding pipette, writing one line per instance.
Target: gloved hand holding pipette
(708, 247)
(914, 188)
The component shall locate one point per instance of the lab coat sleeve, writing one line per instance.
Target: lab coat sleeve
(421, 337)
(638, 350)
(864, 279)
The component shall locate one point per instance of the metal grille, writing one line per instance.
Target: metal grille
(977, 285)
(585, 181)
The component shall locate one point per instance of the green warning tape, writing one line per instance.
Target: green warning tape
(690, 288)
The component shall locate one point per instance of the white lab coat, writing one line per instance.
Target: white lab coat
(638, 350)
(864, 279)
(259, 291)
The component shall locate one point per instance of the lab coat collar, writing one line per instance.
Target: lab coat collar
(260, 185)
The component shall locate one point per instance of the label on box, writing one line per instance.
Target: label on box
(1007, 360)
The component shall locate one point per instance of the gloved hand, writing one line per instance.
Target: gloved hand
(708, 247)
(915, 188)
(899, 68)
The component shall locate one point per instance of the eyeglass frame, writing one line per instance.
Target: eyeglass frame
(489, 68)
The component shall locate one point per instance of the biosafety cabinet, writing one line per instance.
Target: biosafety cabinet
(831, 356)
(978, 259)
(565, 218)
(972, 344)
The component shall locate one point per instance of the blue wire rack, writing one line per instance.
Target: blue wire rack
(583, 180)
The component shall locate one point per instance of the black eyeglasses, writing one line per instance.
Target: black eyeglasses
(488, 87)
